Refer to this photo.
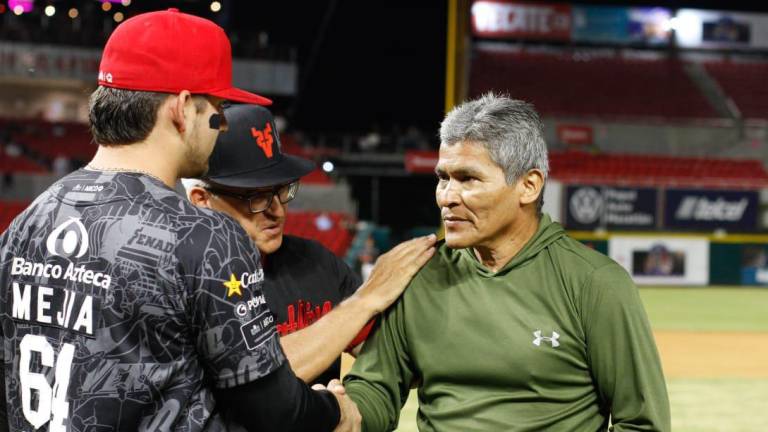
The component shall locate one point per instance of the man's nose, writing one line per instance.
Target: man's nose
(276, 208)
(448, 195)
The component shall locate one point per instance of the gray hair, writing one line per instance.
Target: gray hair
(509, 129)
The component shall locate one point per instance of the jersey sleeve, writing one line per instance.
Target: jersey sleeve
(235, 331)
(622, 353)
(381, 376)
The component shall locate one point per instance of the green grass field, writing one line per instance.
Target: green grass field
(698, 405)
(707, 309)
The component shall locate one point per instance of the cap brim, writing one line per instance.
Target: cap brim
(237, 95)
(289, 169)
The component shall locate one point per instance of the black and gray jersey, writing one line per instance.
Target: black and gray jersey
(123, 306)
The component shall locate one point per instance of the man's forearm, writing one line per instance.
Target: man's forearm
(313, 349)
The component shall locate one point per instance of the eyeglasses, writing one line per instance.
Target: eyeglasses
(260, 201)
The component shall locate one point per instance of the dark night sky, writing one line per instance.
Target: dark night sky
(380, 62)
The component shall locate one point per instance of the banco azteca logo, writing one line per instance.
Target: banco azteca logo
(586, 205)
(68, 239)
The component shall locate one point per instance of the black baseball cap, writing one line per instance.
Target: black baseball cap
(248, 154)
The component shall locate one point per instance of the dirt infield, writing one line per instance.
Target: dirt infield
(713, 354)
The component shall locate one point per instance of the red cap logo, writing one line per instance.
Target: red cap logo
(264, 139)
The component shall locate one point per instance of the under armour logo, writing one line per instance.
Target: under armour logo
(264, 139)
(551, 339)
(68, 239)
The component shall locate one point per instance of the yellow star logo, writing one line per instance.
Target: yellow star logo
(233, 286)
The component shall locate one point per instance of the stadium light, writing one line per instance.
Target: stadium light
(215, 6)
(688, 27)
(328, 166)
(685, 22)
(73, 13)
(671, 24)
(21, 6)
(119, 17)
(50, 10)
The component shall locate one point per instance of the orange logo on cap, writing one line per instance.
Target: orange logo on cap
(264, 139)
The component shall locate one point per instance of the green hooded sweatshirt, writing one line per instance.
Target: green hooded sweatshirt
(557, 340)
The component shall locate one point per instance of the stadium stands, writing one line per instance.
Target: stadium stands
(8, 211)
(19, 164)
(652, 170)
(40, 143)
(745, 84)
(331, 229)
(565, 84)
(51, 139)
(317, 176)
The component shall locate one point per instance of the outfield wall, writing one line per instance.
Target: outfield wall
(685, 259)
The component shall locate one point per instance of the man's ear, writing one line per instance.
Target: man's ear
(177, 110)
(531, 185)
(199, 197)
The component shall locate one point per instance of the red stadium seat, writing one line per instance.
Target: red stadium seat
(72, 140)
(653, 170)
(8, 211)
(558, 84)
(331, 229)
(744, 83)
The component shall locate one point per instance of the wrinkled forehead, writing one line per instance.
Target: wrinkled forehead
(463, 155)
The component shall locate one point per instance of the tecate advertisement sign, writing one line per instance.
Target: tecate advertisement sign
(709, 209)
(521, 20)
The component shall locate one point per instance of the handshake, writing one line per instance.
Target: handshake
(350, 418)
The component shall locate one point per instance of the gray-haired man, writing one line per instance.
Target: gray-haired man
(513, 325)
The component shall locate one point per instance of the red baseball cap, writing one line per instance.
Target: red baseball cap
(169, 51)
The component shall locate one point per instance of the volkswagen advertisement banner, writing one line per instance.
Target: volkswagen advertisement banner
(590, 207)
(710, 209)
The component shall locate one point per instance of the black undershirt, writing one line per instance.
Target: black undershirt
(278, 402)
(304, 281)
